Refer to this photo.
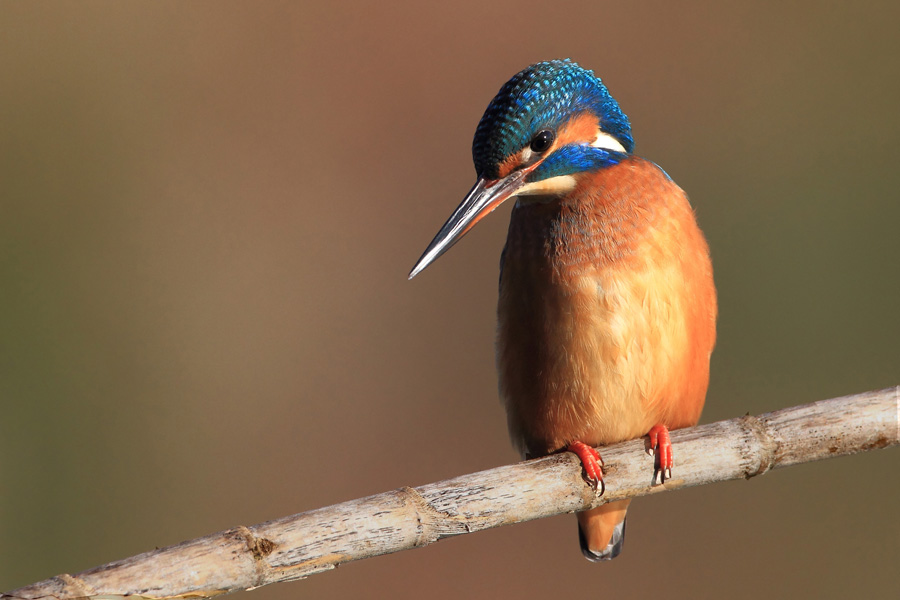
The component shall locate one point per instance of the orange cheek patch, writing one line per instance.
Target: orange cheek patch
(582, 128)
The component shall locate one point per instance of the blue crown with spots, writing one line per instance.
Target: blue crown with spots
(544, 95)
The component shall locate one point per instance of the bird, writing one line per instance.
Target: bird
(606, 318)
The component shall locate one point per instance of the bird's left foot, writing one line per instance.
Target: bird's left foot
(661, 446)
(592, 464)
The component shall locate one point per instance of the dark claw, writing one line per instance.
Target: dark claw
(595, 484)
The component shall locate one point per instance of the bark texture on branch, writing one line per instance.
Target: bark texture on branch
(300, 545)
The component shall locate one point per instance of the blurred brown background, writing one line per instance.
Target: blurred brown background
(208, 211)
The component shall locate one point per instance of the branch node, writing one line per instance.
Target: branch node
(433, 524)
(762, 442)
(259, 547)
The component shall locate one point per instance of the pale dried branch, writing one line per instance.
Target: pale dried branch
(301, 545)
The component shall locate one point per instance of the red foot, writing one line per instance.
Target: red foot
(592, 464)
(659, 441)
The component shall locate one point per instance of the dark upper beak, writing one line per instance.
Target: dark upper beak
(481, 200)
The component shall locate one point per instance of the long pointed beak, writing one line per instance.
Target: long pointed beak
(481, 200)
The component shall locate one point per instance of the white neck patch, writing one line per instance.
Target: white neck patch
(547, 189)
(604, 140)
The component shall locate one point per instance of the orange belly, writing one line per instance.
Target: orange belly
(606, 314)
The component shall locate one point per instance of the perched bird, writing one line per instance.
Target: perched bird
(607, 309)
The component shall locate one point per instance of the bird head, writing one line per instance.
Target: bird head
(546, 125)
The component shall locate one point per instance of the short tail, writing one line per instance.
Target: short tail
(601, 531)
(613, 548)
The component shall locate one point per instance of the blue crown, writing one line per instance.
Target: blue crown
(544, 95)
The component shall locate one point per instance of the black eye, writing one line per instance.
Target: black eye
(542, 141)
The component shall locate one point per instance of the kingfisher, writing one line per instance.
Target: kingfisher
(607, 307)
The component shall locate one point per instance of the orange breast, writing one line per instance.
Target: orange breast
(607, 309)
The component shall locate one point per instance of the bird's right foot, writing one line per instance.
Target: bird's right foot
(661, 446)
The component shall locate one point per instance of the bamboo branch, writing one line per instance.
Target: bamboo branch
(295, 547)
